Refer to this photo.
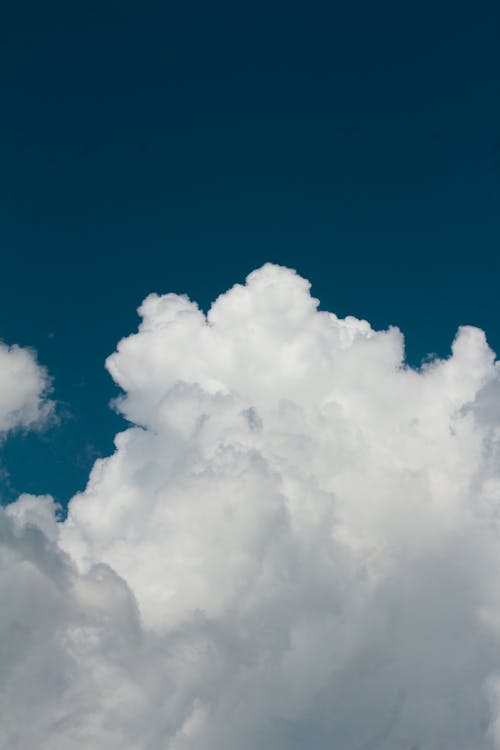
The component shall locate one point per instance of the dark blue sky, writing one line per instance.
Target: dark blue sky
(175, 147)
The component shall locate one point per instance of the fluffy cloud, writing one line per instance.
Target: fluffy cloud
(296, 544)
(23, 387)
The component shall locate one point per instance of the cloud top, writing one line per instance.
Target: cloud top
(295, 544)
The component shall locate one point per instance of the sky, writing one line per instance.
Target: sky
(178, 147)
(264, 514)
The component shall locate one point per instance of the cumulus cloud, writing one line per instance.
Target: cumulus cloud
(23, 388)
(295, 545)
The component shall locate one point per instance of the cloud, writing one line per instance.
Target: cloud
(23, 388)
(295, 544)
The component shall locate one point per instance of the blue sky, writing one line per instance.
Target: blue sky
(178, 148)
(294, 541)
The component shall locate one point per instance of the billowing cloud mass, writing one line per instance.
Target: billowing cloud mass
(23, 387)
(295, 545)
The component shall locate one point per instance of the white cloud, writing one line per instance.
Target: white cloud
(23, 388)
(296, 545)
